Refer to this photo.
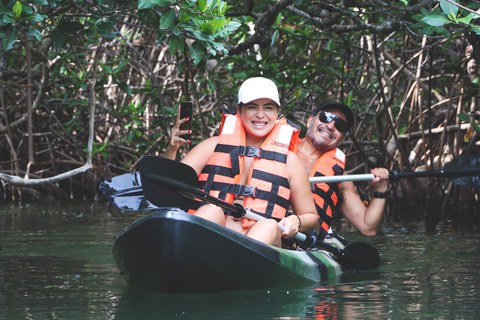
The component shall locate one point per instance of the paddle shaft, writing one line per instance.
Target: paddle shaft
(130, 183)
(394, 175)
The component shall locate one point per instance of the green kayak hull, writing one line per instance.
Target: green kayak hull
(170, 251)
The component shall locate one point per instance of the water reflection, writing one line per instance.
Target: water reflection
(57, 264)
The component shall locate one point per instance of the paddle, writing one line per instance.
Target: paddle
(163, 177)
(125, 191)
(464, 171)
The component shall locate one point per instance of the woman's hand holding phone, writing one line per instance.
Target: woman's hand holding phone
(181, 132)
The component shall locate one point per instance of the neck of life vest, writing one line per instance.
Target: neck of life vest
(325, 195)
(267, 191)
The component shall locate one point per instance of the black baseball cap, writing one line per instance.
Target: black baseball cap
(343, 108)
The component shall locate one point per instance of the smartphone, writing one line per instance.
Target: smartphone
(186, 110)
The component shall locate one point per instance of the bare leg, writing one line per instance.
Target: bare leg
(212, 213)
(266, 231)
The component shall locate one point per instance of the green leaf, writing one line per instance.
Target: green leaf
(5, 10)
(121, 67)
(58, 39)
(40, 2)
(67, 26)
(202, 5)
(8, 42)
(330, 45)
(175, 30)
(227, 30)
(196, 52)
(222, 7)
(148, 4)
(34, 33)
(475, 15)
(213, 26)
(176, 43)
(105, 28)
(435, 21)
(463, 117)
(39, 17)
(475, 29)
(219, 47)
(97, 15)
(465, 20)
(125, 87)
(449, 8)
(8, 19)
(168, 18)
(107, 68)
(201, 35)
(17, 9)
(27, 10)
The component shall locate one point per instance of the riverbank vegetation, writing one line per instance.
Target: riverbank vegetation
(96, 85)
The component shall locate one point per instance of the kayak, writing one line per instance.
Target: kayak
(171, 251)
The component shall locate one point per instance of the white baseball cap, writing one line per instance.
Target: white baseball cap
(258, 88)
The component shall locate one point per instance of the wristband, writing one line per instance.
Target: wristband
(299, 220)
(380, 195)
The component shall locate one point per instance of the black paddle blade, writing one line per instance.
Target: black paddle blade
(470, 165)
(125, 192)
(163, 195)
(359, 256)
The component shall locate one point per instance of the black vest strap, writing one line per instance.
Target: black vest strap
(271, 196)
(211, 171)
(248, 151)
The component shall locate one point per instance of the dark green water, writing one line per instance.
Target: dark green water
(57, 264)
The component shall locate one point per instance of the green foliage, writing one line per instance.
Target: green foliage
(449, 13)
(464, 117)
(203, 21)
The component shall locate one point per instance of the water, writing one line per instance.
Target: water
(57, 264)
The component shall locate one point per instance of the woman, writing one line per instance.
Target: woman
(253, 162)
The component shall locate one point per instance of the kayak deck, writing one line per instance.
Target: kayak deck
(172, 251)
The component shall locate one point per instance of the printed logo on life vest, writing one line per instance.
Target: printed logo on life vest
(278, 144)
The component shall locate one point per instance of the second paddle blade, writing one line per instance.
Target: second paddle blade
(359, 256)
(160, 194)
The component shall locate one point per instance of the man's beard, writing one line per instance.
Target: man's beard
(319, 145)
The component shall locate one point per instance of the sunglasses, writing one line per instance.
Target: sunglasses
(327, 117)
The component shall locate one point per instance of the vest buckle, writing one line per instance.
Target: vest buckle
(249, 191)
(242, 190)
(249, 151)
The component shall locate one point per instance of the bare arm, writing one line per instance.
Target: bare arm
(176, 141)
(365, 219)
(300, 198)
(197, 157)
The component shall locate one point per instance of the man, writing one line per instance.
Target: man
(319, 154)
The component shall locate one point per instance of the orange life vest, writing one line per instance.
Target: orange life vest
(267, 191)
(325, 195)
